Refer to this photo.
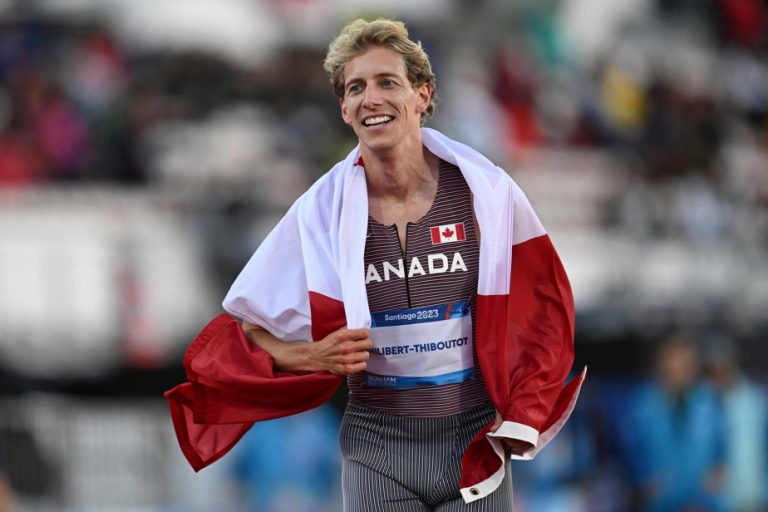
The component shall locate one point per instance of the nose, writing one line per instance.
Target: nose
(372, 97)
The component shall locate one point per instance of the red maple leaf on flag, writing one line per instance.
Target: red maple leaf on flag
(448, 233)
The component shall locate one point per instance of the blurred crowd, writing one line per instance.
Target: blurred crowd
(689, 434)
(69, 111)
(77, 106)
(677, 93)
(674, 93)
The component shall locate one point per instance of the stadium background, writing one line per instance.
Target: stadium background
(146, 147)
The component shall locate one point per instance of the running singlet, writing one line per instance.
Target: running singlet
(422, 299)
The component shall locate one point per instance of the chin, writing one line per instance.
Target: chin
(377, 142)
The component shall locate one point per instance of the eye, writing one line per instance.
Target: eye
(387, 83)
(354, 88)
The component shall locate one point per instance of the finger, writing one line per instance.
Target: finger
(352, 334)
(355, 367)
(347, 369)
(363, 344)
(356, 357)
(497, 422)
(354, 347)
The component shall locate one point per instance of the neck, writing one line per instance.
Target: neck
(399, 173)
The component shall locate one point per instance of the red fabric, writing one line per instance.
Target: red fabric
(479, 460)
(525, 349)
(435, 234)
(232, 383)
(460, 231)
(327, 315)
(524, 346)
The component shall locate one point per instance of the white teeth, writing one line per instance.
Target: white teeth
(376, 120)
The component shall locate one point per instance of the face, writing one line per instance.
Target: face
(379, 101)
(678, 366)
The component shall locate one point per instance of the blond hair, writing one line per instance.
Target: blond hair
(360, 36)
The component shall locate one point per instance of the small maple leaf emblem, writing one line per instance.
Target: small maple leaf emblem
(447, 233)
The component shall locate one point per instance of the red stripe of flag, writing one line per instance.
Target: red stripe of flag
(435, 235)
(460, 231)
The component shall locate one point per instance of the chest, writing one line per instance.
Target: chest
(431, 261)
(399, 215)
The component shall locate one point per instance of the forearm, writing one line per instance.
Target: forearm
(342, 352)
(288, 357)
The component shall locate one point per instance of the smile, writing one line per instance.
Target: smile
(377, 121)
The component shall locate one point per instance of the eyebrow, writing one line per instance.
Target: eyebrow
(385, 74)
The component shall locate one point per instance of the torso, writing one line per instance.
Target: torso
(426, 285)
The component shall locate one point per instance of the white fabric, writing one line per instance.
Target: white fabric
(331, 241)
(325, 230)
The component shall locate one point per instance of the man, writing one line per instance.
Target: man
(674, 434)
(424, 278)
(744, 417)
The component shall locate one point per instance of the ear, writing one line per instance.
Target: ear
(424, 92)
(344, 113)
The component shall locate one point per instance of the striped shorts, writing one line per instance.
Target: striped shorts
(409, 464)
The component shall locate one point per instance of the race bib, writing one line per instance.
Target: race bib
(430, 345)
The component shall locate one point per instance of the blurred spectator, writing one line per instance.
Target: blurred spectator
(514, 84)
(746, 424)
(703, 213)
(60, 130)
(20, 162)
(744, 22)
(674, 435)
(290, 464)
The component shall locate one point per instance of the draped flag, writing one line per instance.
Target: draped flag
(307, 280)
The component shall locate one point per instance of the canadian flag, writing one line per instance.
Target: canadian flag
(447, 233)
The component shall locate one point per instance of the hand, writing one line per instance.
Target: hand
(342, 352)
(513, 446)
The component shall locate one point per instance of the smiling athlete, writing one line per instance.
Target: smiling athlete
(422, 276)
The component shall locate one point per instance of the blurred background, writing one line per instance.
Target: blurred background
(147, 146)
